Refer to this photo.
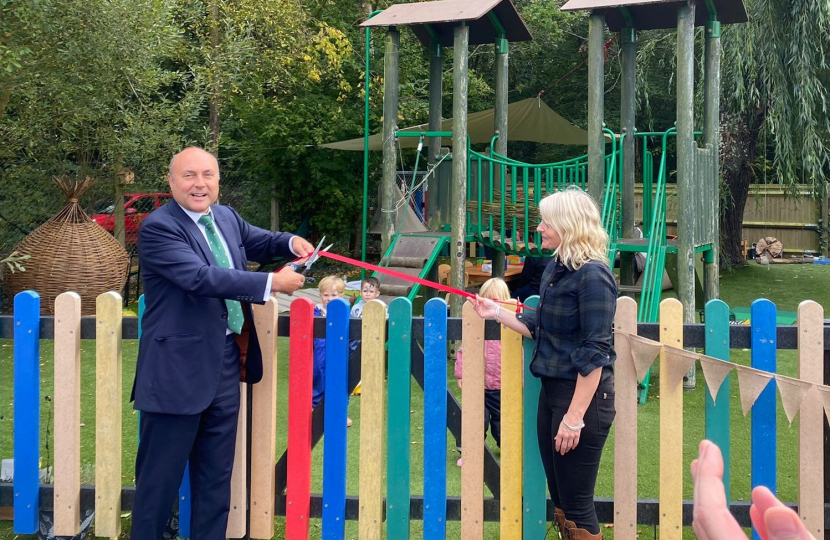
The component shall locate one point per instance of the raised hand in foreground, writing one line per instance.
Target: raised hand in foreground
(712, 519)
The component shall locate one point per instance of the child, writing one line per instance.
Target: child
(369, 290)
(495, 289)
(330, 287)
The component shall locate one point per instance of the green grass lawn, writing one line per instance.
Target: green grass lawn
(787, 285)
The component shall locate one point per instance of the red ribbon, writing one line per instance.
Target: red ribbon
(413, 279)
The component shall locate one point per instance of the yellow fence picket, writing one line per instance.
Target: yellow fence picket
(372, 362)
(671, 427)
(67, 495)
(108, 415)
(512, 421)
(625, 426)
(238, 511)
(811, 421)
(472, 425)
(264, 425)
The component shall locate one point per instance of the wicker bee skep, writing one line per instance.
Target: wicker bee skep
(70, 252)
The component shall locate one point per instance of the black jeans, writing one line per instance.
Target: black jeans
(572, 477)
(492, 414)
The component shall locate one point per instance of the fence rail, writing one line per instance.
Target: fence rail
(521, 507)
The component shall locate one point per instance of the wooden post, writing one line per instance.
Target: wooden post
(67, 500)
(275, 209)
(596, 106)
(627, 121)
(390, 125)
(458, 206)
(436, 75)
(108, 415)
(671, 427)
(625, 428)
(500, 127)
(685, 161)
(118, 224)
(711, 138)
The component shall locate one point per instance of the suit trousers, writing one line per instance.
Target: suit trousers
(208, 440)
(573, 477)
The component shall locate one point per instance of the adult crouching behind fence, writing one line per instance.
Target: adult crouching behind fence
(573, 358)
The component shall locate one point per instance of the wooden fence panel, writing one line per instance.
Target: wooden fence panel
(716, 315)
(336, 405)
(264, 424)
(671, 427)
(512, 370)
(764, 421)
(472, 424)
(811, 420)
(26, 412)
(534, 482)
(625, 426)
(399, 423)
(108, 415)
(67, 499)
(372, 368)
(435, 420)
(300, 379)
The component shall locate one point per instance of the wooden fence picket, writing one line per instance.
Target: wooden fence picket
(472, 424)
(625, 427)
(716, 315)
(512, 370)
(435, 420)
(671, 427)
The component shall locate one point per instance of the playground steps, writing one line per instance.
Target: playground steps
(413, 254)
(640, 245)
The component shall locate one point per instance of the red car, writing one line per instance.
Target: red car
(136, 208)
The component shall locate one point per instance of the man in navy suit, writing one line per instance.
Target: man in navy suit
(198, 341)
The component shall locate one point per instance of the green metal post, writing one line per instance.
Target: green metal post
(458, 196)
(596, 106)
(435, 102)
(685, 166)
(367, 46)
(711, 137)
(500, 127)
(390, 121)
(627, 121)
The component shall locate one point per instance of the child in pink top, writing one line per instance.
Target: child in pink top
(495, 289)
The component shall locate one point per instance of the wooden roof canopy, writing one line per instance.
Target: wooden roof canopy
(440, 18)
(656, 14)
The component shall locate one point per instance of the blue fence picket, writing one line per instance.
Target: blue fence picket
(336, 409)
(435, 420)
(184, 488)
(533, 485)
(398, 419)
(26, 412)
(764, 430)
(717, 410)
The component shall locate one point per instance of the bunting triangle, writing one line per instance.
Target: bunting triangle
(751, 382)
(678, 362)
(824, 392)
(714, 371)
(643, 351)
(793, 392)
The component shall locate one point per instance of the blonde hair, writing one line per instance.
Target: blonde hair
(495, 289)
(332, 283)
(574, 215)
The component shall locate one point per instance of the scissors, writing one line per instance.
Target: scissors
(306, 266)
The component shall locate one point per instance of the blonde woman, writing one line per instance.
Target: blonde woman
(574, 359)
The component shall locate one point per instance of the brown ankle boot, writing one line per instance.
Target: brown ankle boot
(565, 526)
(581, 534)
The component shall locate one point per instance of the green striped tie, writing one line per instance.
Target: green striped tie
(235, 318)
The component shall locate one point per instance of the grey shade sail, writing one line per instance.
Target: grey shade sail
(442, 16)
(527, 120)
(657, 14)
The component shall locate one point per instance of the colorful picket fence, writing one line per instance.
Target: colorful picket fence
(390, 336)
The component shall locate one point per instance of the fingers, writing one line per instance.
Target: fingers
(287, 281)
(712, 520)
(301, 246)
(566, 440)
(773, 520)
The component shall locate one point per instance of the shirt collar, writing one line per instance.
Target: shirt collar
(194, 215)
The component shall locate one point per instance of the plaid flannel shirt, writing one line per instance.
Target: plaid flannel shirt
(573, 324)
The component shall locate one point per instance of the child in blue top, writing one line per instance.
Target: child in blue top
(330, 287)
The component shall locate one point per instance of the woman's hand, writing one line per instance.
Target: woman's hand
(566, 438)
(485, 307)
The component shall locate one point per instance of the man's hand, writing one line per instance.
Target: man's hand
(287, 281)
(712, 519)
(301, 247)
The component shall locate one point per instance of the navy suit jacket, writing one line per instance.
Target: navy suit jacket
(185, 318)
